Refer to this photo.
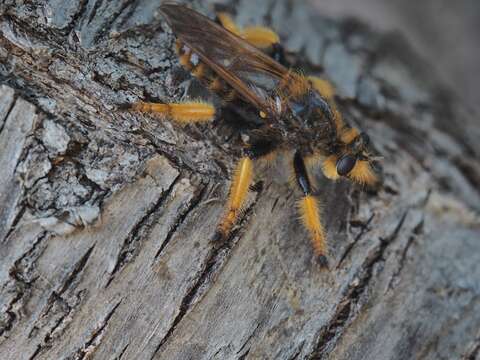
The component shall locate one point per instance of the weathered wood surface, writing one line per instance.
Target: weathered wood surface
(106, 217)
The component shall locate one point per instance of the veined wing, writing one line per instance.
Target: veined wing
(253, 74)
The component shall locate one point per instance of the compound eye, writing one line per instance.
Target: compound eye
(345, 164)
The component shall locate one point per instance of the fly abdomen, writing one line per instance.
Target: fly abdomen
(184, 56)
(192, 63)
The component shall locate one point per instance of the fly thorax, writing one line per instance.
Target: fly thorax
(312, 110)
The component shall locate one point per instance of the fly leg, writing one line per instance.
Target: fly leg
(309, 210)
(259, 36)
(182, 112)
(241, 181)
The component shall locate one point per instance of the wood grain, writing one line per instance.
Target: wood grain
(107, 217)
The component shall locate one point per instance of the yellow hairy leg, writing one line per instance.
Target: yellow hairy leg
(310, 215)
(228, 23)
(241, 181)
(329, 167)
(259, 36)
(183, 113)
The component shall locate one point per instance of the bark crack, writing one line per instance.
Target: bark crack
(108, 24)
(247, 341)
(119, 357)
(139, 232)
(215, 259)
(298, 352)
(417, 230)
(474, 351)
(364, 229)
(81, 11)
(8, 112)
(180, 219)
(48, 338)
(96, 6)
(96, 337)
(16, 220)
(22, 281)
(57, 298)
(350, 304)
(77, 270)
(244, 355)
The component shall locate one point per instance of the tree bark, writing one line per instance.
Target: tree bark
(107, 217)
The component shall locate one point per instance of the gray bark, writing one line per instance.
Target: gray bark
(107, 217)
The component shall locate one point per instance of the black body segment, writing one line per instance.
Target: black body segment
(301, 174)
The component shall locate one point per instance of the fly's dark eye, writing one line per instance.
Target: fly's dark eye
(345, 164)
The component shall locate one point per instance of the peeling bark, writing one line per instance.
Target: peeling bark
(106, 217)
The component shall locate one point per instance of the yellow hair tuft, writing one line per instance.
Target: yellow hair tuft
(310, 215)
(324, 87)
(348, 134)
(363, 173)
(337, 116)
(329, 167)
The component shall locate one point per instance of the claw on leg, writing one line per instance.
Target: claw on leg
(183, 113)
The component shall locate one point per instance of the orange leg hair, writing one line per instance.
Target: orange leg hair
(241, 181)
(242, 178)
(259, 36)
(310, 216)
(309, 209)
(184, 113)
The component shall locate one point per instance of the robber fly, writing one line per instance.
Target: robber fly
(294, 112)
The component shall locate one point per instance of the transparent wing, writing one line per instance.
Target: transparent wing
(253, 74)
